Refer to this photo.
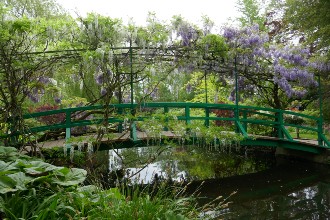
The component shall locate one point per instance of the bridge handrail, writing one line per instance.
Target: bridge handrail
(245, 110)
(172, 105)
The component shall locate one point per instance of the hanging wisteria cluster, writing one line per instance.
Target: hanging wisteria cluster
(38, 90)
(242, 86)
(286, 66)
(185, 31)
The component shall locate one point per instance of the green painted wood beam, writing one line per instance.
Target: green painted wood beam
(286, 133)
(275, 142)
(241, 129)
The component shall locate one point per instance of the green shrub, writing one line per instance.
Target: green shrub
(33, 189)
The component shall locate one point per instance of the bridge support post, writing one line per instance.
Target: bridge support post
(187, 115)
(133, 133)
(280, 124)
(207, 115)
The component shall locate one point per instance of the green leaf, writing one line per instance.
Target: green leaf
(5, 167)
(42, 166)
(74, 177)
(64, 171)
(21, 180)
(2, 204)
(39, 168)
(42, 179)
(7, 150)
(7, 184)
(115, 193)
(88, 189)
(20, 164)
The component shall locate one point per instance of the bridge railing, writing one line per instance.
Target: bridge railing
(243, 117)
(283, 119)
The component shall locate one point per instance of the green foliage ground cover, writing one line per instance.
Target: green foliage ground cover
(33, 189)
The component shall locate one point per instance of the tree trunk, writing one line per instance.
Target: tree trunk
(277, 105)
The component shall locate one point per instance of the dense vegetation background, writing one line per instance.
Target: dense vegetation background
(279, 50)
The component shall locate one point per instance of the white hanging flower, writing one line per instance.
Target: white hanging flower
(90, 148)
(80, 146)
(65, 150)
(71, 152)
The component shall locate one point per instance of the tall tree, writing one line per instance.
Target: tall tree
(33, 8)
(312, 19)
(25, 62)
(309, 20)
(251, 13)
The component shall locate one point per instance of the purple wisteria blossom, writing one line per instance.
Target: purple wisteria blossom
(99, 78)
(187, 33)
(116, 94)
(154, 93)
(242, 86)
(232, 96)
(109, 73)
(320, 66)
(247, 37)
(146, 91)
(57, 100)
(44, 80)
(34, 95)
(33, 98)
(287, 66)
(189, 88)
(103, 91)
(230, 33)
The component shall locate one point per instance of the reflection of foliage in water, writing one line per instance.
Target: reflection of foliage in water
(202, 164)
(189, 162)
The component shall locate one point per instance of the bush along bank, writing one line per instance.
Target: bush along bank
(33, 189)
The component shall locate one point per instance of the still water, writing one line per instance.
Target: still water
(265, 187)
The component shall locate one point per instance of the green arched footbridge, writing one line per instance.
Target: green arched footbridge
(243, 118)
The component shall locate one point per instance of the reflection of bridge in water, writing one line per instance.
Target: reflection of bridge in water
(242, 118)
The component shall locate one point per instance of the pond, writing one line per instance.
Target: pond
(290, 190)
(265, 187)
